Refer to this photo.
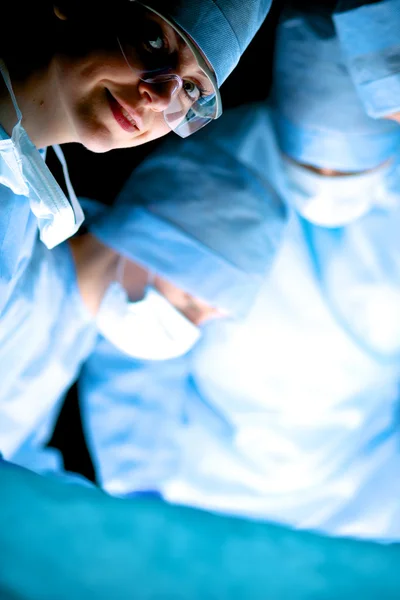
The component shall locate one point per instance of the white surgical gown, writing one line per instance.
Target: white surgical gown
(313, 417)
(18, 228)
(45, 334)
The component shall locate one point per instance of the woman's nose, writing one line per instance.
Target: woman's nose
(158, 93)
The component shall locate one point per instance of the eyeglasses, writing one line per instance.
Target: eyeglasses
(155, 53)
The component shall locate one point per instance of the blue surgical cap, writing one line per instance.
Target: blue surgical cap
(199, 218)
(318, 115)
(222, 29)
(370, 40)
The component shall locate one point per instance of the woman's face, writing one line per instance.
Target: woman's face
(105, 102)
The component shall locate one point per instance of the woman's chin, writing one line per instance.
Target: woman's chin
(100, 139)
(98, 143)
(101, 142)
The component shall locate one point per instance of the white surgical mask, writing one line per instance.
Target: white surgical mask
(26, 172)
(150, 329)
(336, 201)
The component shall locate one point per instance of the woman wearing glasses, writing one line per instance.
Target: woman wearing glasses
(106, 75)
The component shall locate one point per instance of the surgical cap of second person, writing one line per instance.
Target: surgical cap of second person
(319, 118)
(198, 218)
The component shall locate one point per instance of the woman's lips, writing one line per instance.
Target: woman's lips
(123, 118)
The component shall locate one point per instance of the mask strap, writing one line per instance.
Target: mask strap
(78, 212)
(6, 76)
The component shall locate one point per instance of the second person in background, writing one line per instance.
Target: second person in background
(170, 255)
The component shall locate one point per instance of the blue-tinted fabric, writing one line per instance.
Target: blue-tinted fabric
(319, 117)
(308, 388)
(221, 28)
(370, 42)
(289, 414)
(200, 217)
(139, 424)
(18, 227)
(66, 541)
(37, 323)
(359, 271)
(45, 334)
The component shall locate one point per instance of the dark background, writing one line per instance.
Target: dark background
(101, 176)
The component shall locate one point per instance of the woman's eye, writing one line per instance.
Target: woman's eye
(157, 44)
(191, 90)
(154, 39)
